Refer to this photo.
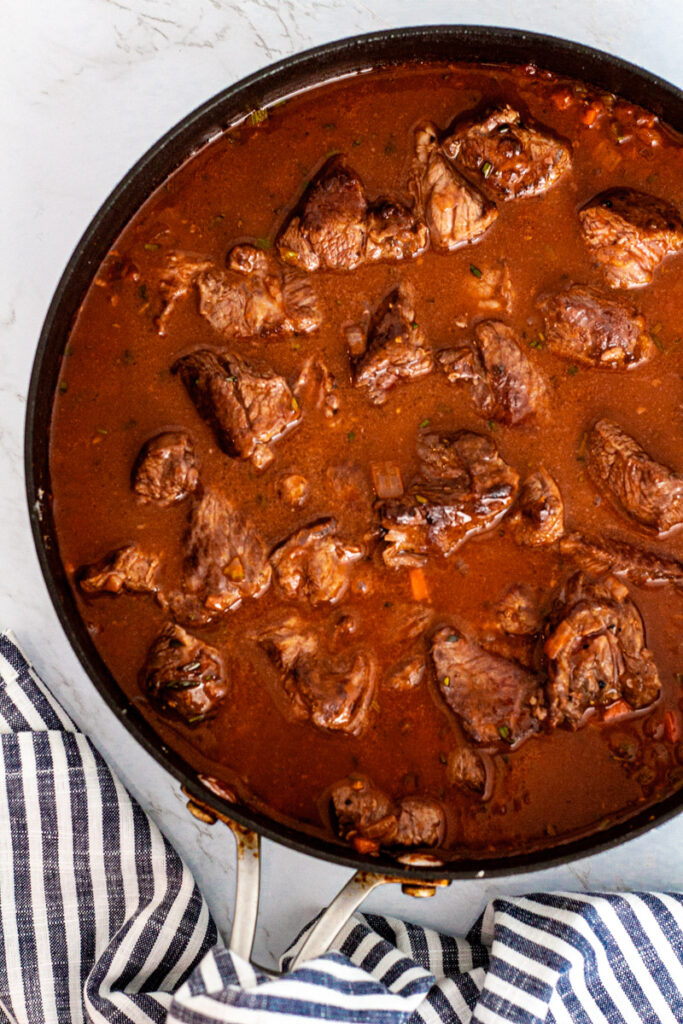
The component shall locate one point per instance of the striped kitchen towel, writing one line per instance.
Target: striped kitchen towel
(100, 921)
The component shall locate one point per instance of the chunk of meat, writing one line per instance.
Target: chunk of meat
(128, 570)
(251, 297)
(607, 555)
(397, 349)
(421, 822)
(316, 387)
(328, 230)
(629, 233)
(469, 770)
(333, 691)
(491, 289)
(519, 610)
(539, 516)
(647, 491)
(585, 326)
(464, 488)
(184, 676)
(495, 699)
(247, 407)
(314, 563)
(293, 489)
(507, 158)
(362, 808)
(405, 674)
(394, 233)
(455, 211)
(504, 383)
(596, 652)
(166, 471)
(225, 561)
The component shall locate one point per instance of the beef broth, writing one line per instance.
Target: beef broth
(324, 461)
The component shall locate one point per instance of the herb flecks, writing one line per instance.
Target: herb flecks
(258, 117)
(475, 271)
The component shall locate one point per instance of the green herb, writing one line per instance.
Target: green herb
(492, 425)
(536, 344)
(486, 168)
(424, 423)
(152, 246)
(181, 684)
(356, 142)
(63, 387)
(193, 666)
(102, 430)
(143, 293)
(263, 243)
(443, 758)
(330, 126)
(572, 370)
(475, 270)
(618, 131)
(257, 117)
(452, 639)
(68, 351)
(195, 718)
(351, 434)
(504, 732)
(414, 325)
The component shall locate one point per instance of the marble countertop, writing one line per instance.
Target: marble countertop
(89, 85)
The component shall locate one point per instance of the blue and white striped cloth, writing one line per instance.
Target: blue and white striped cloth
(100, 921)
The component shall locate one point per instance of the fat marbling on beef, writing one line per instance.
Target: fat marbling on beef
(126, 570)
(183, 675)
(397, 349)
(166, 471)
(539, 516)
(598, 556)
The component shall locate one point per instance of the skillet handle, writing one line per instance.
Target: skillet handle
(247, 890)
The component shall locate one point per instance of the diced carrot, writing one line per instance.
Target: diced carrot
(671, 727)
(418, 584)
(616, 710)
(364, 845)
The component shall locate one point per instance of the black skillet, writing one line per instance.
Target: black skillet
(433, 43)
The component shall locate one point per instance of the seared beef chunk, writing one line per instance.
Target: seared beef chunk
(585, 326)
(644, 568)
(455, 211)
(504, 383)
(225, 561)
(406, 674)
(166, 469)
(184, 675)
(539, 516)
(293, 489)
(397, 349)
(464, 489)
(649, 492)
(393, 233)
(519, 610)
(596, 652)
(316, 387)
(247, 407)
(629, 233)
(126, 570)
(328, 231)
(332, 690)
(314, 563)
(252, 297)
(494, 698)
(506, 158)
(366, 816)
(421, 822)
(467, 770)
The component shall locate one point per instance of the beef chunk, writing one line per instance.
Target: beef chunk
(585, 326)
(455, 211)
(649, 492)
(332, 690)
(128, 570)
(362, 811)
(314, 563)
(504, 383)
(464, 488)
(394, 233)
(247, 407)
(293, 489)
(166, 469)
(644, 568)
(507, 158)
(596, 652)
(397, 349)
(225, 561)
(629, 233)
(251, 297)
(328, 230)
(467, 769)
(539, 516)
(519, 610)
(316, 387)
(406, 674)
(495, 699)
(183, 675)
(421, 822)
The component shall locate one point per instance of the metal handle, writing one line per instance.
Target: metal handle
(248, 885)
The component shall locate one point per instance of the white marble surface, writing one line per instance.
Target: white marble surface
(87, 86)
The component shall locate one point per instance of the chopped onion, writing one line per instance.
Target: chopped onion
(387, 479)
